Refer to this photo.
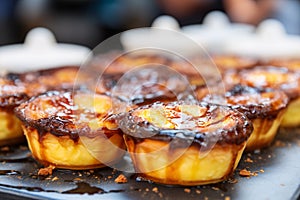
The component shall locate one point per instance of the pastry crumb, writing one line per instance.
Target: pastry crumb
(279, 143)
(155, 189)
(121, 179)
(260, 158)
(187, 190)
(254, 174)
(227, 198)
(23, 148)
(215, 188)
(249, 160)
(46, 171)
(160, 195)
(198, 191)
(298, 142)
(232, 180)
(6, 148)
(269, 156)
(257, 151)
(245, 173)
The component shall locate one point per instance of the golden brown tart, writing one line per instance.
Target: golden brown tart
(186, 67)
(71, 130)
(111, 67)
(17, 88)
(133, 72)
(37, 82)
(227, 62)
(145, 85)
(198, 71)
(293, 64)
(117, 63)
(265, 109)
(11, 96)
(185, 144)
(138, 78)
(278, 78)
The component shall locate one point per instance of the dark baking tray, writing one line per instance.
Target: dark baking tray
(276, 175)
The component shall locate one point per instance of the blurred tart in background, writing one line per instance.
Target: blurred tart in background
(278, 78)
(16, 88)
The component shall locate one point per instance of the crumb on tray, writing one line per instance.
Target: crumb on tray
(46, 171)
(121, 179)
(249, 160)
(5, 148)
(187, 190)
(155, 189)
(245, 173)
(198, 191)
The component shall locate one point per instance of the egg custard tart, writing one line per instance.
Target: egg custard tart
(264, 108)
(198, 71)
(185, 144)
(278, 78)
(186, 67)
(145, 85)
(37, 82)
(10, 97)
(227, 62)
(71, 130)
(116, 63)
(293, 64)
(17, 88)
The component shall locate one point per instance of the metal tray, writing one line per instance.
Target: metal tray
(276, 175)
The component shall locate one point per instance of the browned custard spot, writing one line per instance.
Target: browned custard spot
(257, 103)
(65, 113)
(267, 77)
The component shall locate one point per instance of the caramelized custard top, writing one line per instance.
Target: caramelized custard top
(254, 102)
(144, 86)
(11, 95)
(17, 88)
(267, 77)
(203, 122)
(67, 113)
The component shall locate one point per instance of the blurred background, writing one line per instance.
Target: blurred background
(88, 22)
